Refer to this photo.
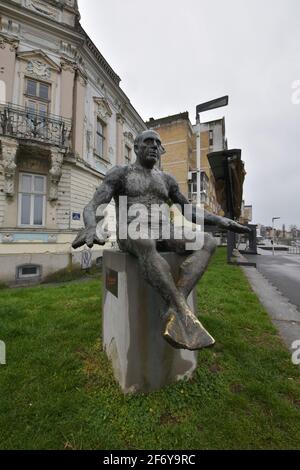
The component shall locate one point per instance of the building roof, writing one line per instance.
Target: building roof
(70, 4)
(97, 54)
(168, 119)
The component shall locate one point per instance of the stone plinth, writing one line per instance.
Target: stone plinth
(133, 324)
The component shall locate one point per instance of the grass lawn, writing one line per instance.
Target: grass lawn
(57, 390)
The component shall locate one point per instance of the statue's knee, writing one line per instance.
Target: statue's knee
(144, 246)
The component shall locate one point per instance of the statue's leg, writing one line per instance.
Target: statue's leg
(156, 271)
(183, 329)
(193, 268)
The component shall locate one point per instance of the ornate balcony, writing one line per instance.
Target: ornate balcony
(22, 123)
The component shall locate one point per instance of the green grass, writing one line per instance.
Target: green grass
(58, 392)
(71, 274)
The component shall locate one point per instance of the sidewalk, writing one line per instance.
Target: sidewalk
(285, 316)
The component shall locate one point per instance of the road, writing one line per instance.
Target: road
(282, 270)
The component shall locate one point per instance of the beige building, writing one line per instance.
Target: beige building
(179, 137)
(246, 214)
(64, 121)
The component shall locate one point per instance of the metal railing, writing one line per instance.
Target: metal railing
(294, 250)
(22, 123)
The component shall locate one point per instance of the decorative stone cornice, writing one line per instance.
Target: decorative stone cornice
(6, 40)
(39, 56)
(68, 65)
(73, 66)
(70, 51)
(129, 139)
(9, 149)
(120, 118)
(103, 108)
(42, 8)
(71, 5)
(99, 57)
(120, 106)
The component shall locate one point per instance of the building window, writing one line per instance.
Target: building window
(27, 271)
(192, 184)
(204, 182)
(203, 197)
(37, 89)
(100, 138)
(37, 97)
(127, 155)
(211, 138)
(32, 200)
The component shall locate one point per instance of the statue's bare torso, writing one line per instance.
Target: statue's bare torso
(143, 186)
(148, 188)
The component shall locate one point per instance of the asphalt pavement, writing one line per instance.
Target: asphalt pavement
(282, 270)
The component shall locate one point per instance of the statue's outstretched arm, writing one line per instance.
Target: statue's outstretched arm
(225, 223)
(103, 195)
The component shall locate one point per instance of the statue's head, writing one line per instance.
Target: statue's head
(148, 148)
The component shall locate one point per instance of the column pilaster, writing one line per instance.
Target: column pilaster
(9, 149)
(57, 157)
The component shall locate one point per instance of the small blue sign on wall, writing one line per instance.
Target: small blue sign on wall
(76, 216)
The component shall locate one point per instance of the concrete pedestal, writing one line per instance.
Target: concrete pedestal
(133, 324)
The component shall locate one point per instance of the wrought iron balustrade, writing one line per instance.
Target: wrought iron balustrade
(23, 123)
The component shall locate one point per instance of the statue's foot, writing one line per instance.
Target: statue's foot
(184, 331)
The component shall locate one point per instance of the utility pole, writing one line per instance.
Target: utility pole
(273, 234)
(200, 108)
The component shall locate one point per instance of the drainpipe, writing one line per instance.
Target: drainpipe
(198, 161)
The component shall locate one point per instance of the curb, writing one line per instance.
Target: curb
(285, 316)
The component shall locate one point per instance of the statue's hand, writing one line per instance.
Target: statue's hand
(89, 237)
(235, 226)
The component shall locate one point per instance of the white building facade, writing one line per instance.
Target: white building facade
(64, 121)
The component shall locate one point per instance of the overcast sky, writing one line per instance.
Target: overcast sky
(172, 55)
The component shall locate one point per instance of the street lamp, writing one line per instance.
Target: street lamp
(200, 108)
(273, 234)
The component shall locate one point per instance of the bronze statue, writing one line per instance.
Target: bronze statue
(144, 183)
